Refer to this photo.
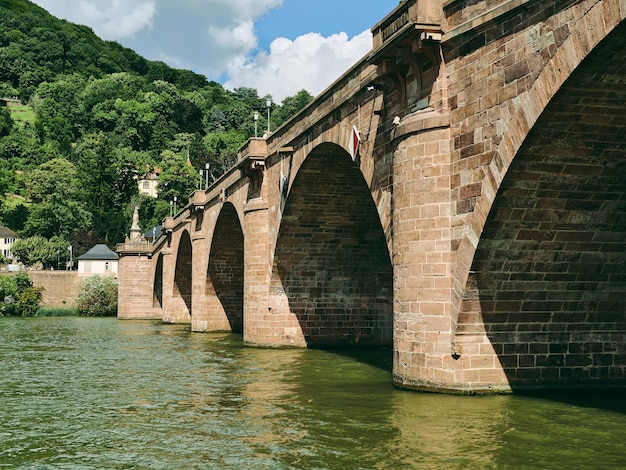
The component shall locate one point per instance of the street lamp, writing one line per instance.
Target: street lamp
(175, 199)
(206, 175)
(268, 102)
(256, 120)
(171, 208)
(200, 183)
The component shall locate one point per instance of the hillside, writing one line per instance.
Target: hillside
(35, 47)
(86, 118)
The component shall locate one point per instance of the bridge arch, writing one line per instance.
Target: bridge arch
(520, 115)
(181, 301)
(225, 273)
(547, 281)
(331, 267)
(157, 285)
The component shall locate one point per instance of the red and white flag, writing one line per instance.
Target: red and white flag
(355, 140)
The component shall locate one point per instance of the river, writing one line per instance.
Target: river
(89, 393)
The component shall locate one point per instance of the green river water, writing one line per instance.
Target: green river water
(86, 393)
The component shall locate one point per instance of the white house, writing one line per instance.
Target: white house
(99, 260)
(7, 237)
(148, 183)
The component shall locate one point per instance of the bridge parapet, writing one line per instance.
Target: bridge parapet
(463, 16)
(408, 14)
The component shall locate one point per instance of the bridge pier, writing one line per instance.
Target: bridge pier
(423, 258)
(135, 275)
(201, 319)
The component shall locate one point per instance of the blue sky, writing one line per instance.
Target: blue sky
(276, 46)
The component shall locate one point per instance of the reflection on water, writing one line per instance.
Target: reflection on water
(102, 393)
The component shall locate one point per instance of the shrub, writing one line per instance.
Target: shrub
(97, 296)
(18, 297)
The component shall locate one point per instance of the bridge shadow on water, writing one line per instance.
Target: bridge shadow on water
(611, 400)
(380, 357)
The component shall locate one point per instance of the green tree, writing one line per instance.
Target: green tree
(59, 108)
(55, 178)
(178, 177)
(15, 217)
(291, 105)
(108, 175)
(6, 122)
(59, 210)
(57, 216)
(37, 249)
(222, 149)
(18, 297)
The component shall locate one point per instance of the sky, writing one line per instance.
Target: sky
(278, 47)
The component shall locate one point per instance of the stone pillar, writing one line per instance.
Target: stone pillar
(200, 319)
(169, 268)
(257, 328)
(136, 282)
(423, 256)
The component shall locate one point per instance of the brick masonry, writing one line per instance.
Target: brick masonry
(480, 229)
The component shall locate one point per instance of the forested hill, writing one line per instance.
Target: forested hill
(84, 118)
(36, 47)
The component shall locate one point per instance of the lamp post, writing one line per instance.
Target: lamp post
(268, 102)
(256, 121)
(200, 183)
(207, 165)
(175, 199)
(171, 208)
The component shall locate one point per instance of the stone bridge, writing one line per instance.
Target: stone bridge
(459, 194)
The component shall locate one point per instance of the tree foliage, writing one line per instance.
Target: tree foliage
(6, 122)
(39, 250)
(102, 117)
(18, 297)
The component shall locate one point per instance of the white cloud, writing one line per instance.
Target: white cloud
(237, 10)
(116, 19)
(218, 38)
(228, 42)
(311, 62)
(203, 35)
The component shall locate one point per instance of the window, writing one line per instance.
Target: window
(106, 266)
(146, 185)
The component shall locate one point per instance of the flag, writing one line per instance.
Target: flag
(282, 184)
(355, 140)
